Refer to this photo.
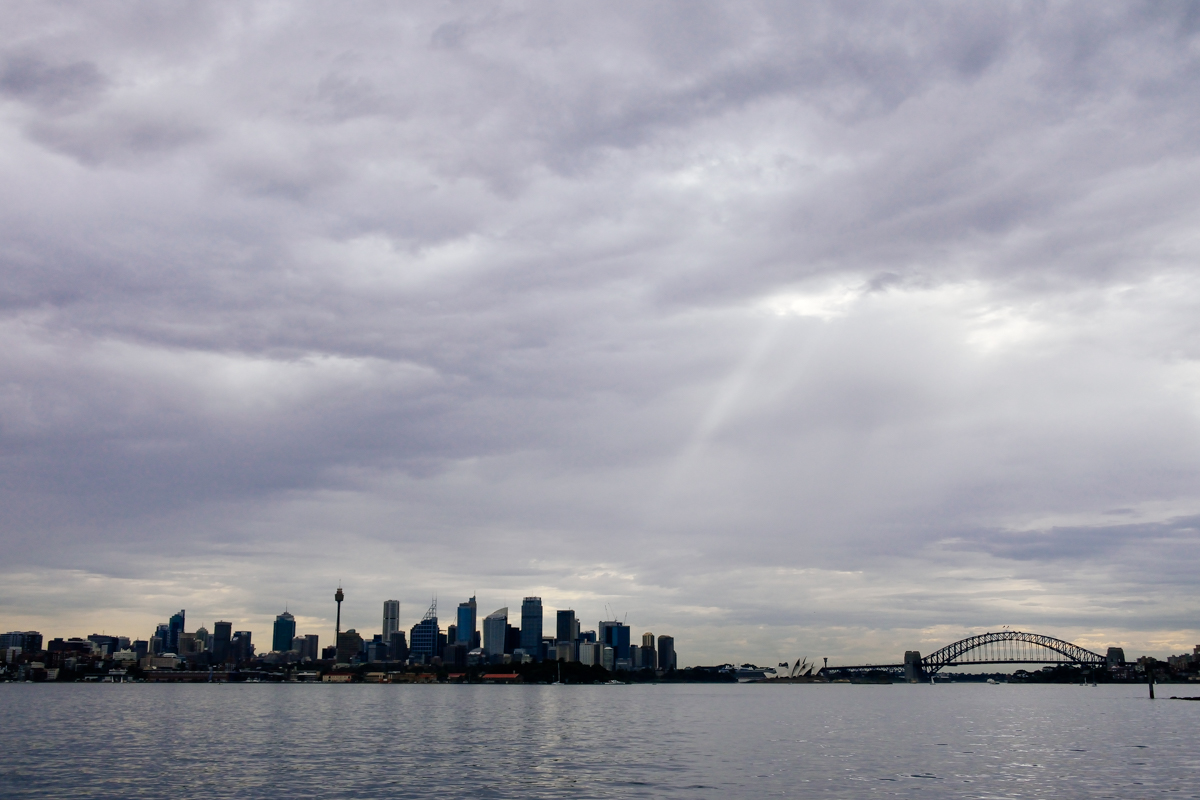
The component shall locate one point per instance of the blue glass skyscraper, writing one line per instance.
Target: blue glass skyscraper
(174, 628)
(423, 638)
(531, 626)
(285, 631)
(465, 623)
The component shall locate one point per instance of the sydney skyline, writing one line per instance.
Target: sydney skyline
(825, 330)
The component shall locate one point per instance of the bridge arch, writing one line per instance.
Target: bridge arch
(1009, 647)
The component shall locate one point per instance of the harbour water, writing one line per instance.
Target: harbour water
(686, 741)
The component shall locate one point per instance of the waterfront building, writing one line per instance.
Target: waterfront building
(106, 644)
(495, 626)
(174, 628)
(466, 626)
(203, 640)
(284, 632)
(615, 634)
(649, 657)
(398, 646)
(349, 646)
(606, 657)
(512, 638)
(391, 618)
(158, 642)
(27, 641)
(222, 635)
(187, 644)
(589, 653)
(423, 638)
(377, 649)
(454, 656)
(1115, 657)
(241, 647)
(666, 652)
(564, 651)
(567, 627)
(297, 644)
(531, 626)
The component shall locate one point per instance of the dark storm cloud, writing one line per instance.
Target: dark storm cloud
(724, 311)
(30, 80)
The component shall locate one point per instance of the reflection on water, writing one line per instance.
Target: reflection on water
(372, 741)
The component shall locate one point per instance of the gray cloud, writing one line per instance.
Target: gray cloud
(854, 321)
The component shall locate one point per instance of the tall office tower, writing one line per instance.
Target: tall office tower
(203, 640)
(339, 596)
(649, 657)
(512, 638)
(240, 647)
(615, 634)
(398, 646)
(174, 628)
(666, 652)
(423, 638)
(494, 625)
(531, 626)
(567, 630)
(187, 644)
(649, 654)
(349, 645)
(606, 658)
(451, 634)
(465, 628)
(285, 631)
(566, 627)
(158, 642)
(391, 618)
(311, 648)
(298, 644)
(222, 636)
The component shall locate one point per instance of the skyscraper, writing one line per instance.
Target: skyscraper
(222, 635)
(349, 645)
(615, 634)
(649, 654)
(391, 618)
(466, 622)
(566, 626)
(567, 630)
(423, 638)
(174, 628)
(494, 625)
(531, 626)
(158, 642)
(666, 652)
(241, 647)
(285, 631)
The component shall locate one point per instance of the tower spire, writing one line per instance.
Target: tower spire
(339, 595)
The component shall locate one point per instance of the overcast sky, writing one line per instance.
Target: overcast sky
(787, 329)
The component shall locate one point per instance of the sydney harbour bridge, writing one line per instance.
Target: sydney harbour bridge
(1001, 647)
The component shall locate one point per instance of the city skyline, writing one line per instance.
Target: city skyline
(792, 329)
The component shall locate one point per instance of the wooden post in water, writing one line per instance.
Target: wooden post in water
(1150, 679)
